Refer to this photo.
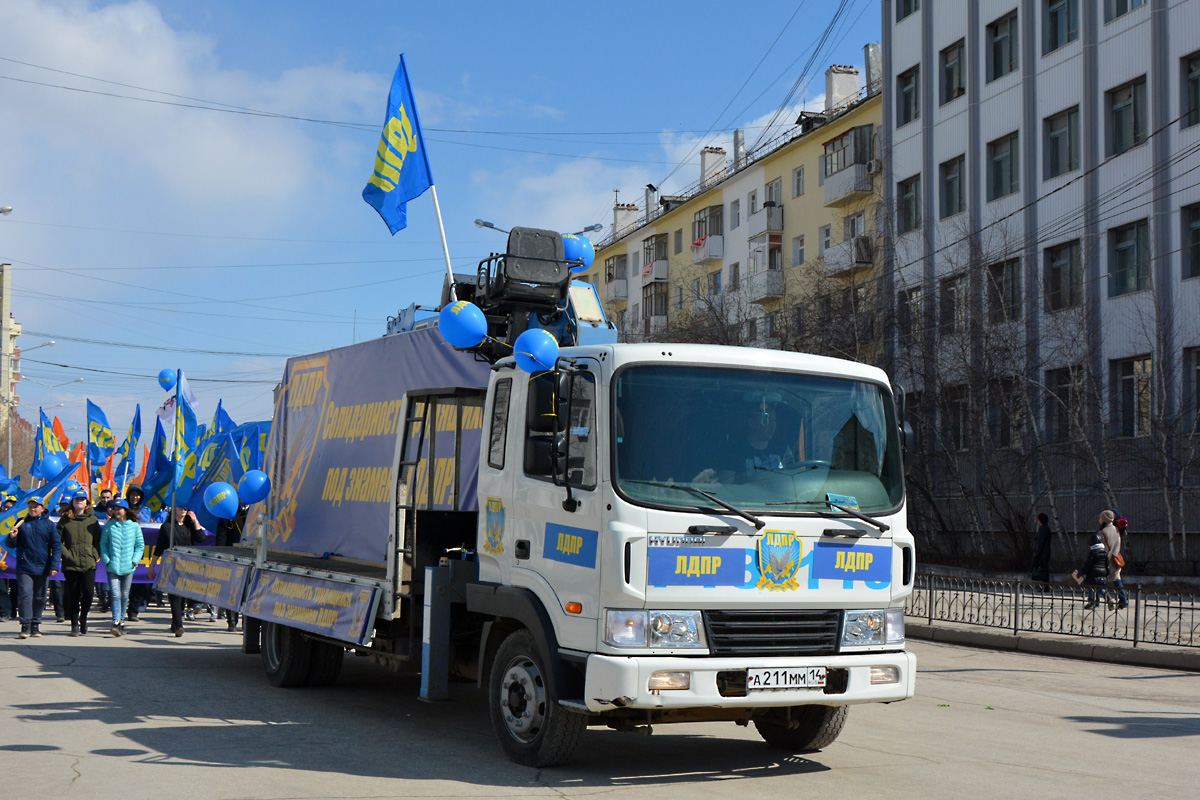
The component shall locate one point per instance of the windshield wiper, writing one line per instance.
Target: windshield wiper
(758, 523)
(882, 526)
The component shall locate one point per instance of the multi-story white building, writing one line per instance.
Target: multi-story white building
(1042, 163)
(10, 354)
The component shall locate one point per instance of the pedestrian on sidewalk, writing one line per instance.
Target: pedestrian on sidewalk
(39, 557)
(1112, 541)
(1095, 570)
(180, 530)
(121, 548)
(1041, 551)
(80, 533)
(56, 587)
(139, 593)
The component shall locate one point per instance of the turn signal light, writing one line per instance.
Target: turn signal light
(574, 608)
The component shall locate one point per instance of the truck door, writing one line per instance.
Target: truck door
(556, 506)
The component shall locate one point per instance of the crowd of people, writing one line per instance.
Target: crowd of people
(110, 532)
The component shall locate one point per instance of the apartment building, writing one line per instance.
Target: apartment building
(773, 246)
(1043, 249)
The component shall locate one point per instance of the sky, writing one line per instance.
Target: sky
(186, 178)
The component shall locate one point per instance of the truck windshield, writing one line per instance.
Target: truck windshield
(767, 442)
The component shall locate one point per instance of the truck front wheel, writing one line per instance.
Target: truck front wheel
(812, 728)
(286, 655)
(533, 728)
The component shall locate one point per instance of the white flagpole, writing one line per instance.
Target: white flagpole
(437, 210)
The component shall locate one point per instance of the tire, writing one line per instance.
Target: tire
(286, 655)
(326, 664)
(816, 728)
(532, 727)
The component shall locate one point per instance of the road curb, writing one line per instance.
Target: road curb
(1063, 648)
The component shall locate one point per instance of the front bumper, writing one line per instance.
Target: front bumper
(620, 681)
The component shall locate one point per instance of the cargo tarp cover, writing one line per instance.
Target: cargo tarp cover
(332, 450)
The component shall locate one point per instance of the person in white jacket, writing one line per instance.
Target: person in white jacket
(121, 548)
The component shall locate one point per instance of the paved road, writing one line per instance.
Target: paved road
(153, 716)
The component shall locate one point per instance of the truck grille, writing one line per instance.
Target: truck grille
(772, 633)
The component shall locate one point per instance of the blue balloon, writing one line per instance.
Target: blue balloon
(221, 500)
(462, 324)
(52, 465)
(536, 350)
(254, 486)
(166, 379)
(589, 252)
(578, 251)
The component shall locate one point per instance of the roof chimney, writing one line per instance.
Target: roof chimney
(739, 149)
(625, 216)
(873, 58)
(712, 165)
(651, 202)
(841, 84)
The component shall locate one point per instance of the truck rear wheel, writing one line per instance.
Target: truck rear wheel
(326, 664)
(533, 728)
(815, 728)
(286, 655)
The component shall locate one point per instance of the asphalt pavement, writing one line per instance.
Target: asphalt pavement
(149, 715)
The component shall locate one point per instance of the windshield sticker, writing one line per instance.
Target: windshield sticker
(494, 544)
(845, 500)
(570, 545)
(779, 555)
(698, 566)
(850, 562)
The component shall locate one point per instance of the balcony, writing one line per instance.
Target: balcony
(853, 254)
(616, 290)
(708, 248)
(766, 220)
(766, 285)
(847, 185)
(654, 271)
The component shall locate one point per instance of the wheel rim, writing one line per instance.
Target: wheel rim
(271, 645)
(523, 699)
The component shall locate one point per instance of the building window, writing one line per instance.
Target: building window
(1191, 386)
(1064, 278)
(654, 300)
(908, 96)
(1132, 384)
(798, 251)
(1061, 23)
(735, 277)
(614, 268)
(679, 241)
(1004, 291)
(774, 192)
(953, 84)
(752, 201)
(1062, 142)
(1127, 116)
(1006, 412)
(1191, 90)
(797, 324)
(953, 197)
(771, 318)
(1191, 238)
(1003, 52)
(695, 288)
(906, 7)
(910, 313)
(752, 330)
(824, 239)
(707, 222)
(955, 418)
(654, 248)
(714, 283)
(1119, 8)
(954, 306)
(854, 225)
(735, 214)
(1129, 259)
(678, 297)
(1003, 175)
(908, 196)
(1064, 407)
(797, 181)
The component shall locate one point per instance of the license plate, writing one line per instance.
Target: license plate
(785, 678)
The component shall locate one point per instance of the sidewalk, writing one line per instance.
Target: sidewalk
(1064, 646)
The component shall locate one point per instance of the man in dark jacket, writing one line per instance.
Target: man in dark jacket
(39, 556)
(1041, 551)
(180, 530)
(79, 531)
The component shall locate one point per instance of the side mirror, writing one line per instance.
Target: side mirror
(908, 445)
(541, 457)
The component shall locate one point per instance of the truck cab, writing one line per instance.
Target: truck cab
(708, 532)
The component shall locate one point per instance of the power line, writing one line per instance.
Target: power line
(160, 348)
(146, 375)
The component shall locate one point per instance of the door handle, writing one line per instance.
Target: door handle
(522, 549)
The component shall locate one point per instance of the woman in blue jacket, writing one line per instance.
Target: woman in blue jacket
(39, 556)
(121, 548)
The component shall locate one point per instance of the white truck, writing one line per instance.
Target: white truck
(649, 533)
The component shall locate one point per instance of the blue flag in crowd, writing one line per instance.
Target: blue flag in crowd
(401, 166)
(221, 422)
(127, 452)
(49, 496)
(160, 457)
(100, 436)
(185, 450)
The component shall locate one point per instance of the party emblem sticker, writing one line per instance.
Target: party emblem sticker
(779, 560)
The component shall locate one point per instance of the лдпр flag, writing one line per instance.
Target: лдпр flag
(185, 450)
(100, 436)
(127, 452)
(401, 166)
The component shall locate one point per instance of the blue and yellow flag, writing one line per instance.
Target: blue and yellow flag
(100, 436)
(221, 422)
(401, 166)
(49, 495)
(49, 438)
(160, 456)
(185, 451)
(127, 452)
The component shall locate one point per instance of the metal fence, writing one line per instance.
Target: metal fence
(1167, 617)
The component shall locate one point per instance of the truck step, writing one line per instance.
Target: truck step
(578, 706)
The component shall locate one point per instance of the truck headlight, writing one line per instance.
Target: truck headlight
(673, 629)
(876, 626)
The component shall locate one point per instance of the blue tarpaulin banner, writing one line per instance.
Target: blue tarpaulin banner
(208, 580)
(338, 610)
